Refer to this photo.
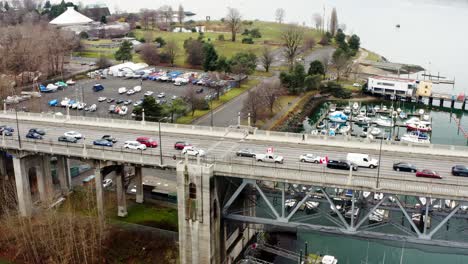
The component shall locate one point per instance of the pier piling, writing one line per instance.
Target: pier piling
(452, 105)
(441, 104)
(430, 100)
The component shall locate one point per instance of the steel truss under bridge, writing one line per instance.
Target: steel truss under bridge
(376, 215)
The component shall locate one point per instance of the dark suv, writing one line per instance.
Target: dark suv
(341, 165)
(460, 170)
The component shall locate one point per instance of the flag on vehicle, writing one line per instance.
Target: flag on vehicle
(269, 150)
(324, 160)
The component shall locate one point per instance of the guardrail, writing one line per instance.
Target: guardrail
(309, 175)
(237, 133)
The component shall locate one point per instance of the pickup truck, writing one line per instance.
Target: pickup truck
(269, 158)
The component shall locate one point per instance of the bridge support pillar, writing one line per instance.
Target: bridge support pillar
(23, 189)
(121, 198)
(441, 104)
(44, 179)
(3, 168)
(452, 105)
(464, 105)
(63, 174)
(430, 100)
(99, 190)
(199, 215)
(139, 184)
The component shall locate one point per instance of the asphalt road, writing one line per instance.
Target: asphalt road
(82, 91)
(224, 149)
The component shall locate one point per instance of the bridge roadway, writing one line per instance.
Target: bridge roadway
(221, 144)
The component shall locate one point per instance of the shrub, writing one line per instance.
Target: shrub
(131, 34)
(161, 41)
(142, 40)
(255, 33)
(137, 27)
(164, 57)
(247, 41)
(221, 37)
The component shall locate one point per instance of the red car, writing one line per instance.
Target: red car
(148, 142)
(180, 145)
(428, 174)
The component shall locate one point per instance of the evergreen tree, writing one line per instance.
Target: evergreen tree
(354, 42)
(340, 36)
(103, 20)
(6, 6)
(210, 57)
(124, 53)
(316, 67)
(47, 4)
(153, 111)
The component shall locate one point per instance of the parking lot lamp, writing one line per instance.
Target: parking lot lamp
(17, 128)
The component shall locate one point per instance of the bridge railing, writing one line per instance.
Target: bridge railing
(285, 137)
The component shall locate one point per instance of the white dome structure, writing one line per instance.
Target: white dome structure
(70, 18)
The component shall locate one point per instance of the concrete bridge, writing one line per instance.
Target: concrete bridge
(210, 187)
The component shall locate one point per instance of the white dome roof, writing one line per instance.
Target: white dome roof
(71, 17)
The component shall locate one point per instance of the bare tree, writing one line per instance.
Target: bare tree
(318, 21)
(145, 18)
(341, 61)
(309, 43)
(233, 20)
(267, 58)
(193, 100)
(279, 14)
(149, 54)
(181, 14)
(253, 106)
(172, 50)
(269, 92)
(333, 22)
(292, 39)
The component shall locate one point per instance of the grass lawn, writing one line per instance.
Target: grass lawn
(165, 218)
(372, 56)
(348, 85)
(234, 92)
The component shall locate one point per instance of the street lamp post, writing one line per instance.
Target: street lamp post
(211, 110)
(160, 141)
(380, 163)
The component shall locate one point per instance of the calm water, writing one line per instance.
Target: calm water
(431, 33)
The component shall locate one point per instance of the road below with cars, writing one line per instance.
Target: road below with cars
(224, 149)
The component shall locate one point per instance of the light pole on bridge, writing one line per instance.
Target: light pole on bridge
(160, 141)
(380, 163)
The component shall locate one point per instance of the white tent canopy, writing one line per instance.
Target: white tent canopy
(71, 17)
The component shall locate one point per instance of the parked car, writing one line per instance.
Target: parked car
(111, 108)
(138, 103)
(428, 174)
(341, 165)
(199, 90)
(67, 139)
(73, 134)
(245, 153)
(98, 87)
(404, 166)
(460, 170)
(122, 90)
(269, 158)
(130, 92)
(92, 108)
(110, 100)
(120, 101)
(103, 142)
(109, 138)
(311, 158)
(37, 131)
(106, 183)
(102, 99)
(33, 135)
(180, 145)
(134, 145)
(192, 151)
(161, 95)
(149, 93)
(149, 142)
(127, 102)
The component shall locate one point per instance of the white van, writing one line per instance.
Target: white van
(362, 160)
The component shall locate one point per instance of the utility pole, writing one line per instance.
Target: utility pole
(17, 128)
(380, 162)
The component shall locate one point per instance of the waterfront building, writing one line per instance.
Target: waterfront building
(392, 86)
(424, 88)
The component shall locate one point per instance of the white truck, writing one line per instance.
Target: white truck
(269, 158)
(362, 160)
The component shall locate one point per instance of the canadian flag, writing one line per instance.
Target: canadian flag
(270, 150)
(324, 160)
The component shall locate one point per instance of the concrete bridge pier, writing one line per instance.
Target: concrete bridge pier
(99, 190)
(63, 174)
(199, 215)
(431, 99)
(139, 184)
(44, 178)
(3, 166)
(452, 105)
(441, 100)
(121, 198)
(23, 188)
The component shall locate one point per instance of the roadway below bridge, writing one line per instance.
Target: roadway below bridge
(223, 149)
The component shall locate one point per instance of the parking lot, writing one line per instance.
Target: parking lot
(82, 91)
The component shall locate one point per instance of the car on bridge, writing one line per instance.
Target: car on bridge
(246, 153)
(103, 142)
(341, 165)
(67, 139)
(428, 174)
(33, 135)
(269, 158)
(192, 151)
(149, 142)
(109, 138)
(37, 131)
(404, 166)
(460, 170)
(180, 145)
(134, 145)
(310, 158)
(73, 134)
(5, 132)
(106, 183)
(7, 128)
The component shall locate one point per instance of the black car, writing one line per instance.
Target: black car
(110, 100)
(245, 153)
(37, 131)
(120, 101)
(199, 90)
(33, 135)
(67, 139)
(460, 170)
(341, 165)
(109, 138)
(404, 166)
(5, 132)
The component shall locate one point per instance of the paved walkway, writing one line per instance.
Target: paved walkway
(272, 121)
